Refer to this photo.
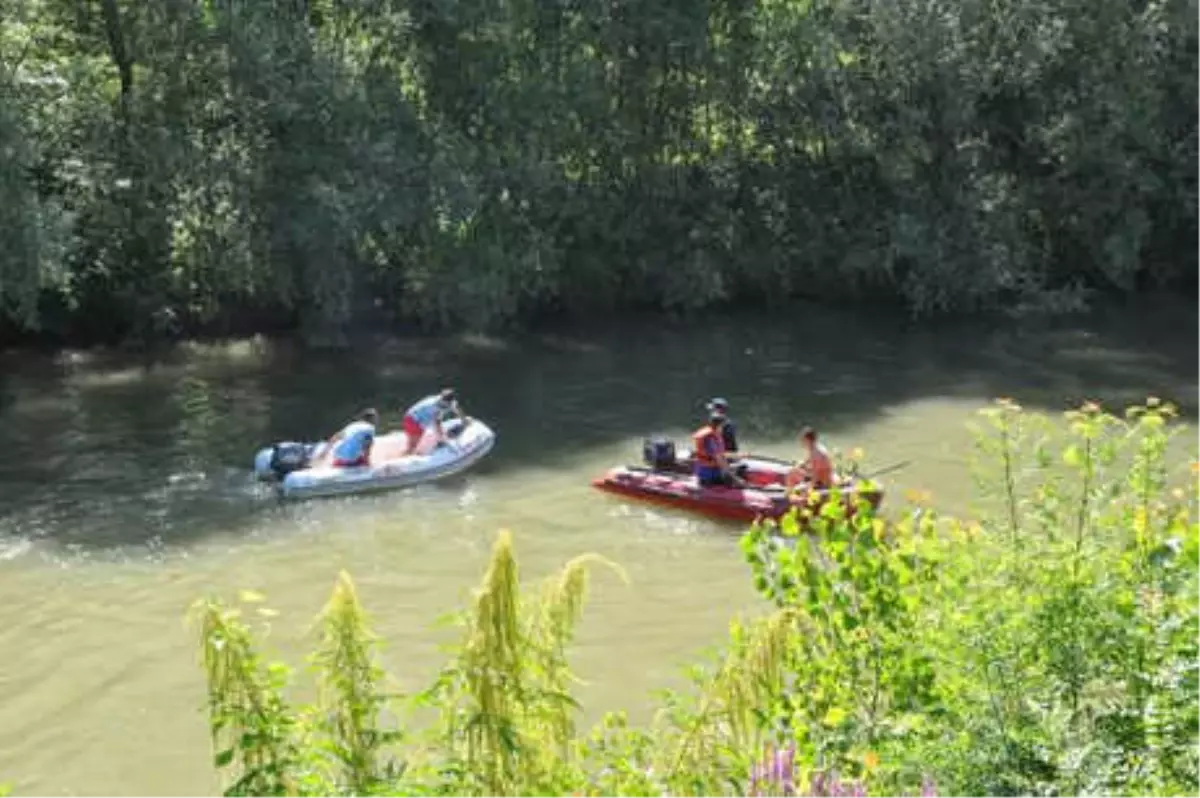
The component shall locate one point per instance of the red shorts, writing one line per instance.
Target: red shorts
(414, 431)
(361, 461)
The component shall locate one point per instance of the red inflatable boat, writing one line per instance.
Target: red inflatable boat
(669, 481)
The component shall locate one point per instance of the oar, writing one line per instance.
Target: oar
(888, 470)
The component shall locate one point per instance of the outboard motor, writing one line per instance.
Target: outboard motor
(288, 457)
(659, 453)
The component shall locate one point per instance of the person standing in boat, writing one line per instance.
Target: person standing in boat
(817, 469)
(708, 454)
(720, 407)
(352, 446)
(430, 412)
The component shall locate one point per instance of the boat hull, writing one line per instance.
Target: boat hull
(745, 504)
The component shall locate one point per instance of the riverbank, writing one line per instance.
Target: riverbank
(1154, 310)
(370, 328)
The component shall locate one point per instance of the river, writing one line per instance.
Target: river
(125, 495)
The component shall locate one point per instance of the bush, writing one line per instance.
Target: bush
(179, 168)
(1048, 648)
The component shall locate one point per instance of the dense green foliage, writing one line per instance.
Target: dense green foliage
(1048, 649)
(185, 163)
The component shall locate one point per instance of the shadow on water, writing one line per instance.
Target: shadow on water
(102, 451)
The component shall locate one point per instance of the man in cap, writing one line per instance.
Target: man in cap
(719, 407)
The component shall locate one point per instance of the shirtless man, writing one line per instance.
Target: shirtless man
(817, 469)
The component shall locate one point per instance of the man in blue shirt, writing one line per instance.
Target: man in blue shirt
(429, 412)
(352, 446)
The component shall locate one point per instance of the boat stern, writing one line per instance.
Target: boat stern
(262, 463)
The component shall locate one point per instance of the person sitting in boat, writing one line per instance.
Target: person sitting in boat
(708, 454)
(352, 446)
(720, 407)
(817, 469)
(430, 412)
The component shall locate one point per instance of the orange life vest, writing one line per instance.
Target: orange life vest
(700, 450)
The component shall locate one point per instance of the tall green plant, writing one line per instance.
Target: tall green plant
(352, 694)
(337, 746)
(506, 724)
(253, 727)
(507, 715)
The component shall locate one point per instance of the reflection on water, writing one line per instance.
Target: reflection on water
(125, 493)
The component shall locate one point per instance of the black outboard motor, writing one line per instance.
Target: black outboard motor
(288, 457)
(659, 453)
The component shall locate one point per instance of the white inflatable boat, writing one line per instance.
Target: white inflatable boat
(302, 471)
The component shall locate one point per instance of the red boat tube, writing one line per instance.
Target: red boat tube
(759, 499)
